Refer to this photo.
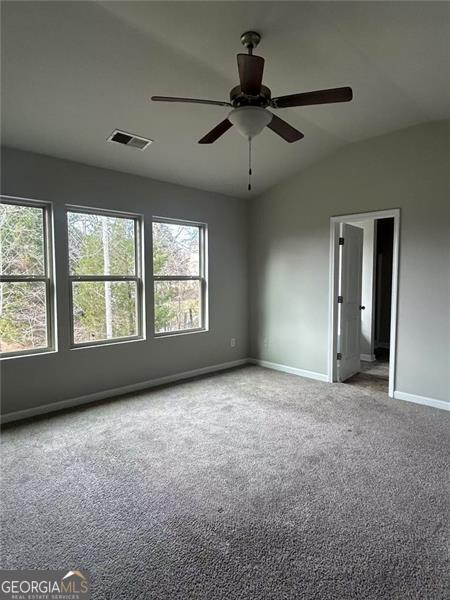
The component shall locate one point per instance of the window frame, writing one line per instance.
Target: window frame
(48, 276)
(138, 277)
(202, 277)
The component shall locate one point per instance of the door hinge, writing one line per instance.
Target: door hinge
(340, 299)
(339, 355)
(341, 241)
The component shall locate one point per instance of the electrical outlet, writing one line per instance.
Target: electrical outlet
(233, 342)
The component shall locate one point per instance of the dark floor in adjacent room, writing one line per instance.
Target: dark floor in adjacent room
(373, 375)
(245, 485)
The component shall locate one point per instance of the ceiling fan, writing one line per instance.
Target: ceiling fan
(250, 101)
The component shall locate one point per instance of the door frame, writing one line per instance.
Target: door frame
(334, 282)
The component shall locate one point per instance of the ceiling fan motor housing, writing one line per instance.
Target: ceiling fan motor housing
(238, 98)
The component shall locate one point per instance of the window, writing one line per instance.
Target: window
(26, 286)
(105, 276)
(179, 276)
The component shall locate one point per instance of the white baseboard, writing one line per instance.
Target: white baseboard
(291, 370)
(422, 400)
(112, 392)
(136, 387)
(367, 357)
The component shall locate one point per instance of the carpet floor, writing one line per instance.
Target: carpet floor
(245, 485)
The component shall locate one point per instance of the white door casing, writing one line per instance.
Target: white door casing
(350, 286)
(333, 321)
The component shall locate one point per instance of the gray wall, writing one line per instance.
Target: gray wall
(289, 262)
(284, 247)
(30, 381)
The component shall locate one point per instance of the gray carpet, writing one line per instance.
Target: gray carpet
(250, 484)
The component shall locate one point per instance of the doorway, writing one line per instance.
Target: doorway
(363, 298)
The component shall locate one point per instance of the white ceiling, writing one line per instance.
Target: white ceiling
(74, 71)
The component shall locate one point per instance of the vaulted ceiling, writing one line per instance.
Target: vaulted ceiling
(74, 71)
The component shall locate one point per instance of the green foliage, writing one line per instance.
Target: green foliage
(88, 235)
(102, 246)
(21, 240)
(176, 253)
(164, 296)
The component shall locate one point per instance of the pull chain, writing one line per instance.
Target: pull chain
(249, 163)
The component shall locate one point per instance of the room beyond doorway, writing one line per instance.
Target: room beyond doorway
(363, 297)
(373, 375)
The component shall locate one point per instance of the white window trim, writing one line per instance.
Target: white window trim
(48, 277)
(138, 278)
(202, 277)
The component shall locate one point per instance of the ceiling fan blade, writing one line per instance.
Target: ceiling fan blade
(189, 100)
(284, 130)
(343, 94)
(251, 70)
(215, 133)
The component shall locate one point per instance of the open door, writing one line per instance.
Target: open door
(350, 282)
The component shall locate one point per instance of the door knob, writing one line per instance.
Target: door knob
(362, 308)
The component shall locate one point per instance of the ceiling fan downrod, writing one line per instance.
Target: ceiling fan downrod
(249, 164)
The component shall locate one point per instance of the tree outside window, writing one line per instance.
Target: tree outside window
(179, 279)
(105, 276)
(25, 278)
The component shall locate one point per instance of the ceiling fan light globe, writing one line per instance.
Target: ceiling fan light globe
(250, 120)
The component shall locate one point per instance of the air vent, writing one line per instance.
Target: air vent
(128, 139)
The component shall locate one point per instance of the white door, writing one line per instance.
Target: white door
(350, 281)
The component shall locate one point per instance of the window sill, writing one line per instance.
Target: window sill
(106, 343)
(169, 334)
(28, 354)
